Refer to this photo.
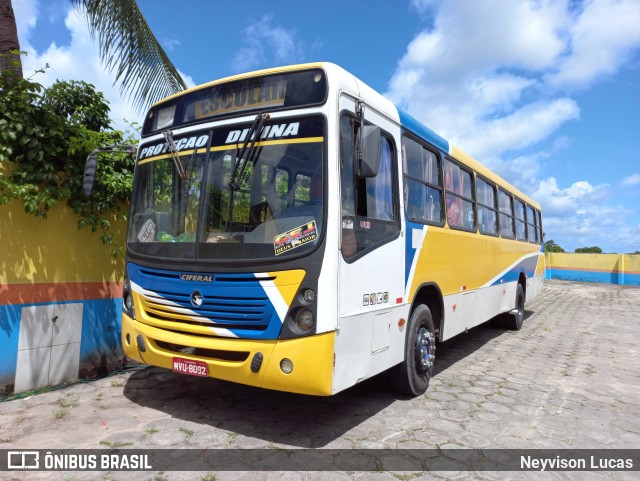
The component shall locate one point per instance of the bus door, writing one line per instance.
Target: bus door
(371, 257)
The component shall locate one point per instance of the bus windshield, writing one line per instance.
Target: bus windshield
(218, 201)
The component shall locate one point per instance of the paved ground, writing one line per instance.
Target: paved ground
(568, 379)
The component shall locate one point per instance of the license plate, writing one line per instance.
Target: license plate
(188, 366)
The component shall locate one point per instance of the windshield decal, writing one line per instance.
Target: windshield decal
(296, 237)
(269, 132)
(148, 231)
(181, 144)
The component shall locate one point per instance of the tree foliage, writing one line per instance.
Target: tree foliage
(129, 48)
(551, 246)
(588, 250)
(45, 136)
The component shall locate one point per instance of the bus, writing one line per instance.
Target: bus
(293, 229)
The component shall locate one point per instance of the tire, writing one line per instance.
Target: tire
(514, 320)
(411, 376)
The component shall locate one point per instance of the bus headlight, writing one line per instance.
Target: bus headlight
(128, 302)
(127, 299)
(309, 296)
(304, 319)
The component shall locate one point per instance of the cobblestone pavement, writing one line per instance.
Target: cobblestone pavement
(568, 379)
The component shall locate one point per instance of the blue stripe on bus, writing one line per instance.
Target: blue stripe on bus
(528, 266)
(414, 126)
(410, 252)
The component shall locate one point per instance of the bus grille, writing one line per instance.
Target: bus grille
(236, 313)
(229, 302)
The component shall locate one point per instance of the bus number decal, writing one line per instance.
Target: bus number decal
(297, 237)
(375, 298)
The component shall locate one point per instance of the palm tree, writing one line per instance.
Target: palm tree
(9, 60)
(127, 46)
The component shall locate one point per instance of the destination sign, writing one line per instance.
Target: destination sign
(270, 95)
(261, 93)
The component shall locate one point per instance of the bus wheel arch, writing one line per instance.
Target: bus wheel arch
(429, 294)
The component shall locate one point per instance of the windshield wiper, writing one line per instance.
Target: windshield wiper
(243, 156)
(168, 136)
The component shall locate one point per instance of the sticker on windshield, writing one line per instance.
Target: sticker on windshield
(148, 231)
(295, 238)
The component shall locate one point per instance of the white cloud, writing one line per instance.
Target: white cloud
(77, 61)
(566, 202)
(472, 75)
(631, 181)
(26, 13)
(603, 36)
(487, 77)
(578, 216)
(266, 42)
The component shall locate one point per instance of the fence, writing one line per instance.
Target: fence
(60, 300)
(606, 268)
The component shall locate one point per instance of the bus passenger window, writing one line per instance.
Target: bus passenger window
(457, 182)
(422, 183)
(521, 225)
(532, 227)
(507, 227)
(487, 208)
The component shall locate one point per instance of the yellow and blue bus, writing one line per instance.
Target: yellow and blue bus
(293, 229)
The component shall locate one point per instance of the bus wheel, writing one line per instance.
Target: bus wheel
(515, 317)
(412, 376)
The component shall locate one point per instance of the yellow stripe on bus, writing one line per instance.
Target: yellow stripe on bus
(264, 143)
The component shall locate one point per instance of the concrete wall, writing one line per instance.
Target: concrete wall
(607, 268)
(60, 300)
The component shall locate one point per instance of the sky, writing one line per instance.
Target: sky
(544, 92)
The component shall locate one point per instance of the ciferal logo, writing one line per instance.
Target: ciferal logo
(23, 460)
(196, 298)
(196, 278)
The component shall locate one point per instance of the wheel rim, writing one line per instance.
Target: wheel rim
(425, 350)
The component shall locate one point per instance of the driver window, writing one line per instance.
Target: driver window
(369, 213)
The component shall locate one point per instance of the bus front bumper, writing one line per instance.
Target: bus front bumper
(312, 357)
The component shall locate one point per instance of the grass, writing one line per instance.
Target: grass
(116, 444)
(59, 413)
(151, 430)
(209, 477)
(67, 401)
(188, 432)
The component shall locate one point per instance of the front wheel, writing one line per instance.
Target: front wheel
(412, 376)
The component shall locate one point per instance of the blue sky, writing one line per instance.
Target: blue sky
(547, 93)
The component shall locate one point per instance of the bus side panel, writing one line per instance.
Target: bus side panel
(359, 352)
(369, 339)
(477, 274)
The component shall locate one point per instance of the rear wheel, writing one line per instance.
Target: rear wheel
(515, 318)
(412, 376)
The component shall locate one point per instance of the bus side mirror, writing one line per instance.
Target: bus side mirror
(89, 173)
(369, 151)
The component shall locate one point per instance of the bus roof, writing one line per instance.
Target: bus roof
(407, 122)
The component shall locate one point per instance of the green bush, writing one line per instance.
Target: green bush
(45, 137)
